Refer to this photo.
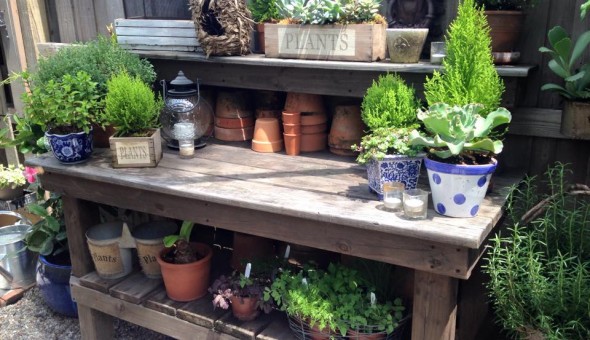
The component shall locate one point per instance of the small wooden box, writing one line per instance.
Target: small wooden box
(157, 35)
(136, 152)
(358, 42)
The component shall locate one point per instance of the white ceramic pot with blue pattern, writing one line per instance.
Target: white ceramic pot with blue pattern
(393, 168)
(458, 190)
(70, 148)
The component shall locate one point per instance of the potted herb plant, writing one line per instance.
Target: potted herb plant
(389, 111)
(185, 266)
(565, 54)
(12, 181)
(461, 150)
(263, 12)
(468, 43)
(133, 109)
(327, 30)
(65, 108)
(371, 320)
(244, 292)
(505, 18)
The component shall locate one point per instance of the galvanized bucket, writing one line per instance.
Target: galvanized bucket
(10, 217)
(17, 263)
(111, 256)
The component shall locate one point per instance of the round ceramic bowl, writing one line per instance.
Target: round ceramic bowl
(71, 148)
(275, 146)
(234, 135)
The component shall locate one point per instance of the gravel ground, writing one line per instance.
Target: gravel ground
(31, 319)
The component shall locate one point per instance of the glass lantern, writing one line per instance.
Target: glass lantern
(186, 116)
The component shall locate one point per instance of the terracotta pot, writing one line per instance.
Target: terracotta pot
(275, 146)
(347, 127)
(314, 142)
(292, 144)
(187, 282)
(309, 129)
(260, 32)
(292, 129)
(233, 104)
(505, 28)
(263, 113)
(245, 308)
(290, 117)
(319, 334)
(249, 248)
(234, 135)
(343, 152)
(304, 102)
(234, 123)
(313, 118)
(267, 130)
(101, 136)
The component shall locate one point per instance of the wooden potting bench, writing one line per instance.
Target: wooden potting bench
(318, 200)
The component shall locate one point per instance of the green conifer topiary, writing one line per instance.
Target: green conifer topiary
(469, 75)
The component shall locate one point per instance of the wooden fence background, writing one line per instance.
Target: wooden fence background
(535, 140)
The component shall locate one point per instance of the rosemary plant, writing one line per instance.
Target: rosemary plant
(540, 269)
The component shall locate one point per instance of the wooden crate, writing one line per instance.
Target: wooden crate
(136, 152)
(359, 42)
(157, 35)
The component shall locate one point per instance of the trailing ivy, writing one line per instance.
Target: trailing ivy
(469, 74)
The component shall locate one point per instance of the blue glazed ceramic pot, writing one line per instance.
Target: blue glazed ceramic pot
(71, 148)
(53, 281)
(394, 168)
(458, 190)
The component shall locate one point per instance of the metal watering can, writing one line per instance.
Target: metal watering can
(17, 263)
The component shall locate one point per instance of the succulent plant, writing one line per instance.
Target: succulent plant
(329, 11)
(459, 130)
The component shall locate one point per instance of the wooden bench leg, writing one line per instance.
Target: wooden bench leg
(95, 325)
(435, 307)
(79, 216)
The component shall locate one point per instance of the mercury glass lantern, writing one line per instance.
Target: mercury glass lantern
(186, 116)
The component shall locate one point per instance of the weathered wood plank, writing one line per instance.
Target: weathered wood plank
(85, 19)
(159, 41)
(139, 47)
(95, 324)
(435, 307)
(536, 122)
(278, 329)
(79, 216)
(154, 23)
(106, 13)
(201, 312)
(174, 32)
(243, 330)
(95, 302)
(66, 21)
(93, 281)
(160, 302)
(135, 288)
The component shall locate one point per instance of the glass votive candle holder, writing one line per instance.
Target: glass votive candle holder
(438, 50)
(186, 148)
(185, 134)
(415, 202)
(393, 195)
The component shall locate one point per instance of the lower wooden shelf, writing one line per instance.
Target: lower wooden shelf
(143, 301)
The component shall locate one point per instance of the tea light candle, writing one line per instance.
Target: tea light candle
(248, 269)
(414, 205)
(184, 131)
(287, 251)
(373, 299)
(437, 58)
(392, 202)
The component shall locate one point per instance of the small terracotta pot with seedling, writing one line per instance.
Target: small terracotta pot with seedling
(185, 266)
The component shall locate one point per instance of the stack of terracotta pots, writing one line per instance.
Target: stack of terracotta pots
(292, 132)
(269, 104)
(310, 124)
(234, 120)
(347, 129)
(267, 135)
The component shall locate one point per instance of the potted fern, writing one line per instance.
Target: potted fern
(389, 111)
(327, 30)
(133, 109)
(263, 12)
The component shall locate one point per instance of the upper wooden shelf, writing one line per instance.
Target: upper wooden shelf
(423, 67)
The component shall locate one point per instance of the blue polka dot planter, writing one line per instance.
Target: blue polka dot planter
(71, 148)
(458, 190)
(393, 168)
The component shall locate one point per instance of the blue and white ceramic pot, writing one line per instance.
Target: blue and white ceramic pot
(393, 168)
(53, 281)
(458, 190)
(71, 148)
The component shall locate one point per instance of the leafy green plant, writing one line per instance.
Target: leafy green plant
(70, 104)
(131, 106)
(565, 55)
(330, 11)
(469, 74)
(455, 131)
(540, 267)
(389, 110)
(368, 317)
(238, 285)
(507, 5)
(48, 236)
(184, 234)
(264, 10)
(584, 8)
(12, 176)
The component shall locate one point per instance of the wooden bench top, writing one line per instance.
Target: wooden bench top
(316, 199)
